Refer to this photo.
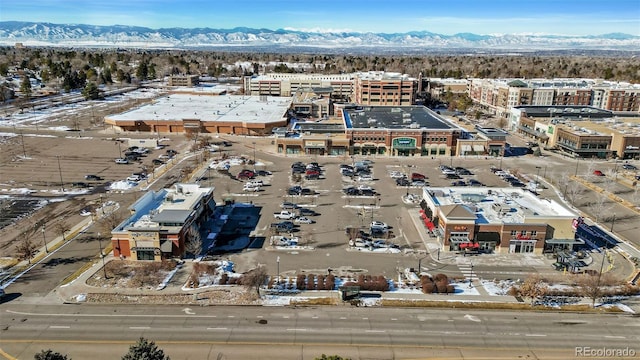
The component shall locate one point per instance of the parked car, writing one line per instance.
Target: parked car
(135, 178)
(80, 185)
(307, 191)
(303, 220)
(306, 212)
(92, 177)
(288, 205)
(283, 226)
(474, 182)
(122, 161)
(453, 176)
(246, 174)
(598, 173)
(459, 183)
(419, 183)
(157, 162)
(629, 167)
(312, 177)
(263, 173)
(417, 177)
(403, 182)
(251, 188)
(294, 190)
(378, 224)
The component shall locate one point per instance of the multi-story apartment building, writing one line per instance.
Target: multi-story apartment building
(278, 84)
(378, 88)
(183, 80)
(161, 222)
(618, 97)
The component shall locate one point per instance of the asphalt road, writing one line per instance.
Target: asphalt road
(104, 332)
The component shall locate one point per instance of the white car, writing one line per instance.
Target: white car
(122, 161)
(364, 187)
(135, 178)
(396, 175)
(303, 220)
(254, 183)
(251, 188)
(379, 225)
(365, 178)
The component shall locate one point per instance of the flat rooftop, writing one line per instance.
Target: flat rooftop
(224, 108)
(498, 205)
(394, 117)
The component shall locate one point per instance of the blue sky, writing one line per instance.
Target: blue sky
(566, 17)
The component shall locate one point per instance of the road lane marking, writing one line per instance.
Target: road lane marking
(343, 318)
(615, 337)
(7, 356)
(139, 327)
(375, 331)
(59, 327)
(285, 317)
(314, 317)
(294, 329)
(365, 318)
(259, 316)
(394, 319)
(217, 328)
(230, 316)
(536, 335)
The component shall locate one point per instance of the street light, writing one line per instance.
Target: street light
(60, 172)
(538, 178)
(44, 240)
(613, 221)
(471, 278)
(420, 264)
(278, 269)
(104, 268)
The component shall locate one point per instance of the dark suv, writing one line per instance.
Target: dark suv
(92, 177)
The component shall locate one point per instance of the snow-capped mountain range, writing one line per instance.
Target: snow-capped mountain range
(79, 35)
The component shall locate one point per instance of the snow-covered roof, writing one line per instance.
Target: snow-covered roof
(227, 108)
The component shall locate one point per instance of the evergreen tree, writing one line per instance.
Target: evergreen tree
(25, 87)
(91, 91)
(145, 350)
(50, 355)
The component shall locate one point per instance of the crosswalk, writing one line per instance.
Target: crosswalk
(467, 271)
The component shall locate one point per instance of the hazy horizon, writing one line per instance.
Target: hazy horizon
(551, 17)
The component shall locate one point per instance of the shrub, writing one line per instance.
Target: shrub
(440, 277)
(300, 282)
(224, 278)
(311, 285)
(441, 286)
(321, 283)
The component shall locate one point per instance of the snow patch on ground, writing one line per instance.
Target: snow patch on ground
(122, 185)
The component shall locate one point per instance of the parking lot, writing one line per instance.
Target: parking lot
(335, 203)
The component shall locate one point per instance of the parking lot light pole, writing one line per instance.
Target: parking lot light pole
(254, 156)
(278, 269)
(44, 240)
(471, 277)
(538, 178)
(420, 264)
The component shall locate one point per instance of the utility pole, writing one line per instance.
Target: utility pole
(613, 222)
(24, 151)
(60, 172)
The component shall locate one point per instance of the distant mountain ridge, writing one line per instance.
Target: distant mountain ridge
(80, 35)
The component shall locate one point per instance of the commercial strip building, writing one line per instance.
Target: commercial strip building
(389, 131)
(579, 131)
(206, 113)
(496, 219)
(161, 222)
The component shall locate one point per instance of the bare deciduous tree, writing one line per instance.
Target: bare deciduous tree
(533, 288)
(255, 278)
(599, 207)
(593, 286)
(194, 242)
(26, 248)
(62, 226)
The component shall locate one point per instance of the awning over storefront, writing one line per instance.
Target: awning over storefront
(478, 148)
(469, 246)
(565, 241)
(466, 147)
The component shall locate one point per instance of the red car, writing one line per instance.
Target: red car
(598, 173)
(246, 174)
(312, 172)
(417, 177)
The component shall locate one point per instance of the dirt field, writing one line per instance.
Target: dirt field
(42, 154)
